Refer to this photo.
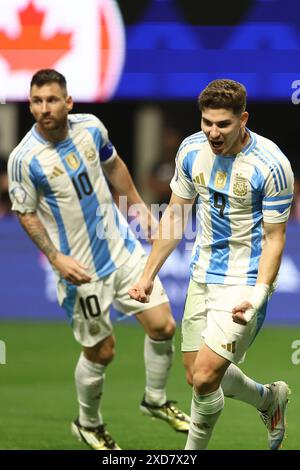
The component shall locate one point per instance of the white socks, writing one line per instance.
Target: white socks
(158, 356)
(235, 384)
(89, 379)
(205, 411)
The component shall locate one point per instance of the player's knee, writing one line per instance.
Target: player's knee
(170, 327)
(204, 381)
(106, 355)
(103, 352)
(164, 330)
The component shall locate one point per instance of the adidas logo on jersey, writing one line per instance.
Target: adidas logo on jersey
(199, 179)
(229, 347)
(56, 172)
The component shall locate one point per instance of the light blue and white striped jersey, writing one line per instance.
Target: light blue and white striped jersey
(65, 184)
(236, 193)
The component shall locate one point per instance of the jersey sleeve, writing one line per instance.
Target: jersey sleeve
(278, 193)
(22, 190)
(107, 151)
(182, 184)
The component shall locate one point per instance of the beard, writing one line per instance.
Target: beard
(52, 124)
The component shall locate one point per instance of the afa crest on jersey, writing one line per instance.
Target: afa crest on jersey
(240, 186)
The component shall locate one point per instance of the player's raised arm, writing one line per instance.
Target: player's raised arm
(68, 267)
(118, 175)
(170, 232)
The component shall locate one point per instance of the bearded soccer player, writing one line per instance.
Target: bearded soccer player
(59, 191)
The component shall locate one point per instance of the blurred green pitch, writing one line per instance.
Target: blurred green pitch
(37, 394)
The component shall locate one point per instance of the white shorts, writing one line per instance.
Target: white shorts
(208, 318)
(88, 305)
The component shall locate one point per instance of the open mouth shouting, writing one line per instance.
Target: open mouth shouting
(216, 145)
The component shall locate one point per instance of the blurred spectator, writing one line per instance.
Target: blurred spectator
(5, 204)
(163, 170)
(295, 211)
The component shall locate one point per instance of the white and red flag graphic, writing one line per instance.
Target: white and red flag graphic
(83, 39)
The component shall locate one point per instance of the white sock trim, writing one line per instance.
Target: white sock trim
(210, 403)
(92, 366)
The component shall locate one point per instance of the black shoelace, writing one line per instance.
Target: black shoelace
(103, 434)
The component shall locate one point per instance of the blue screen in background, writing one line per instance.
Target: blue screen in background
(167, 57)
(27, 288)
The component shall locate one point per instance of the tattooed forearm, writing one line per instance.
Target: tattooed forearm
(38, 234)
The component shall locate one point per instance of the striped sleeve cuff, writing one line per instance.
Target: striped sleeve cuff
(277, 203)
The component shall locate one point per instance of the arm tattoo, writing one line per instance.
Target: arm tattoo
(38, 234)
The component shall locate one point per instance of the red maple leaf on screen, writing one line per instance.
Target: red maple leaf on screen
(30, 50)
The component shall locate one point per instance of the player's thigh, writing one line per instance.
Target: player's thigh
(209, 369)
(88, 309)
(158, 321)
(194, 317)
(127, 276)
(225, 337)
(207, 360)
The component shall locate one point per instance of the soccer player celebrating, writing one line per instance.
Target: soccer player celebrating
(245, 188)
(59, 192)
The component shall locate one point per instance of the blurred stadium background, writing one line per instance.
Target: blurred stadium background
(139, 67)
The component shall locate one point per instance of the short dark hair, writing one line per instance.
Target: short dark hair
(46, 76)
(224, 93)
